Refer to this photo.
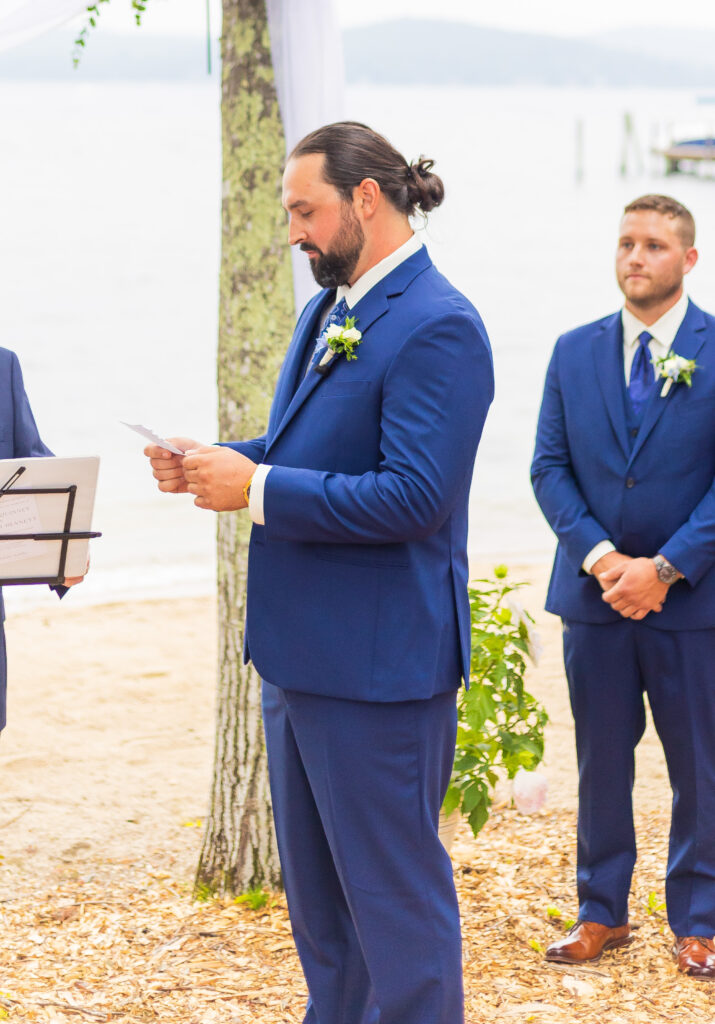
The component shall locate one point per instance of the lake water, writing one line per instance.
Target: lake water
(110, 205)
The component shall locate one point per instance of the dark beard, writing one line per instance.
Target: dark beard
(336, 266)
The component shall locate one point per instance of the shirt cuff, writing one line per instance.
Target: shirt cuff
(601, 549)
(255, 497)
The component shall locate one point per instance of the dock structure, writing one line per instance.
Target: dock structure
(693, 151)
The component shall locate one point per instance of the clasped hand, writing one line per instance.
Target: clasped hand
(215, 475)
(630, 585)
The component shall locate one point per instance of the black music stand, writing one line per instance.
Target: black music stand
(64, 536)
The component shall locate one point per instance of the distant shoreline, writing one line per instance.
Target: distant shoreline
(399, 52)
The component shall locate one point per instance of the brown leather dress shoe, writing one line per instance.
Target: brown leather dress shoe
(696, 956)
(586, 941)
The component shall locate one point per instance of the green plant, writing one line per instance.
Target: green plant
(554, 914)
(500, 726)
(654, 905)
(256, 899)
(203, 893)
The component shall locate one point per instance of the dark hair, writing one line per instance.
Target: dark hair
(354, 152)
(669, 207)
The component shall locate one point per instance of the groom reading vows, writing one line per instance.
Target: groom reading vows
(358, 618)
(624, 472)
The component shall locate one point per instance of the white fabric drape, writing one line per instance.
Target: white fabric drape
(308, 63)
(21, 20)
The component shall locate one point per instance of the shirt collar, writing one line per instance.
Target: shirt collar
(353, 294)
(663, 330)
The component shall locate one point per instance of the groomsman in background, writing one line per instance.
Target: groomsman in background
(623, 470)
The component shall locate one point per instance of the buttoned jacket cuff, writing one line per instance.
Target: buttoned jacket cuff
(255, 498)
(601, 549)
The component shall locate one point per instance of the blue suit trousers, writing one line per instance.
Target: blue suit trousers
(356, 788)
(609, 669)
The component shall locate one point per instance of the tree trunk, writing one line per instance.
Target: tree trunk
(255, 322)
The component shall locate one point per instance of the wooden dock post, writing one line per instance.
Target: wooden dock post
(630, 146)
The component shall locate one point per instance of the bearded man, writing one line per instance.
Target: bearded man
(624, 471)
(358, 619)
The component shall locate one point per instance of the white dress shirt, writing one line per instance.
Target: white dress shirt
(663, 333)
(352, 295)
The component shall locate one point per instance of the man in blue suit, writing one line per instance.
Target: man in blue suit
(19, 438)
(624, 471)
(358, 619)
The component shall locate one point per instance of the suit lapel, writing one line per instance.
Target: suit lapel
(607, 347)
(687, 343)
(367, 311)
(304, 336)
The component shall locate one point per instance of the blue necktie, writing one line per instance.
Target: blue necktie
(642, 376)
(336, 315)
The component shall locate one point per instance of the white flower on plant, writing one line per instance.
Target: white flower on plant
(534, 646)
(529, 791)
(334, 331)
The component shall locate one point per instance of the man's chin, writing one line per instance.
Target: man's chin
(327, 277)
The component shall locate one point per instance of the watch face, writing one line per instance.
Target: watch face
(666, 573)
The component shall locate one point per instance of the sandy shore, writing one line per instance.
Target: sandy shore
(109, 746)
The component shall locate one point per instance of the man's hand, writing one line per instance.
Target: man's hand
(634, 590)
(72, 581)
(167, 467)
(217, 476)
(611, 560)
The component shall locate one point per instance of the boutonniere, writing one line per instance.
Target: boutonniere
(675, 370)
(341, 339)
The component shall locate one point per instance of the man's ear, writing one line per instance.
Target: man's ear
(691, 258)
(366, 197)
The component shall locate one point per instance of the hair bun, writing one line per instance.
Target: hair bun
(425, 189)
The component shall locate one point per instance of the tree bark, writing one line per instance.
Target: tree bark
(255, 322)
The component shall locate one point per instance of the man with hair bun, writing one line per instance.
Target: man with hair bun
(358, 619)
(624, 471)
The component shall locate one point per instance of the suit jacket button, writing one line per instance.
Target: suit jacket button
(630, 482)
(634, 432)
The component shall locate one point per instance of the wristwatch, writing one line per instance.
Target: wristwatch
(667, 573)
(247, 489)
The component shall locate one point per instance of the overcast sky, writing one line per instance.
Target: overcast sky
(562, 17)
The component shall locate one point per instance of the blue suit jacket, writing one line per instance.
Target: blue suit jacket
(19, 437)
(357, 584)
(653, 493)
(18, 431)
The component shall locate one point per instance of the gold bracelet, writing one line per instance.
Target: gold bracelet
(247, 488)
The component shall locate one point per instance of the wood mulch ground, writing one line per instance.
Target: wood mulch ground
(105, 939)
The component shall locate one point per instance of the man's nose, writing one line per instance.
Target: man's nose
(296, 234)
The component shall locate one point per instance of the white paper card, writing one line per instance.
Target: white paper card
(150, 435)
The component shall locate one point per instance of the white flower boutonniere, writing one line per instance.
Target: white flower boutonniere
(344, 337)
(341, 339)
(675, 370)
